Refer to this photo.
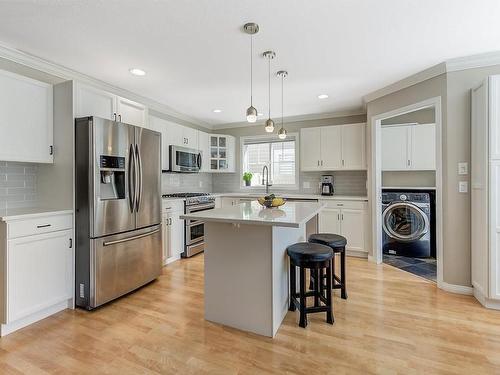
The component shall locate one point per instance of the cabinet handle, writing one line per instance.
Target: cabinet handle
(51, 150)
(408, 162)
(114, 116)
(338, 216)
(318, 163)
(321, 162)
(119, 118)
(43, 226)
(70, 243)
(343, 162)
(342, 215)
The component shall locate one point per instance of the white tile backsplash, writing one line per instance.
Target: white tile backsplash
(186, 183)
(346, 183)
(18, 185)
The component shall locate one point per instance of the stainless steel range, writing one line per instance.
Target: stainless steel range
(194, 233)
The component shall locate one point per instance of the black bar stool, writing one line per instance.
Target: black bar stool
(337, 243)
(316, 257)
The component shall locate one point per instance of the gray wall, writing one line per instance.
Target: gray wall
(408, 179)
(347, 182)
(18, 185)
(422, 116)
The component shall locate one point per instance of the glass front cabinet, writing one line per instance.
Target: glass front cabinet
(222, 153)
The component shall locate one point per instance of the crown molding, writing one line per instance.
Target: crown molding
(452, 65)
(312, 116)
(473, 61)
(59, 71)
(424, 75)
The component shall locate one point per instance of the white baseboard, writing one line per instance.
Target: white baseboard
(453, 288)
(485, 301)
(5, 329)
(356, 253)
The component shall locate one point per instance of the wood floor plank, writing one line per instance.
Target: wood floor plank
(392, 323)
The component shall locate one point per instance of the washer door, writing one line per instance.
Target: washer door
(404, 221)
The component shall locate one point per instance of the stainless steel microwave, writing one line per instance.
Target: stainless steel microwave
(183, 159)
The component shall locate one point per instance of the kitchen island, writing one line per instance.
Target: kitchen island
(246, 266)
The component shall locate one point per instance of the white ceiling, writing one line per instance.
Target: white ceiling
(197, 58)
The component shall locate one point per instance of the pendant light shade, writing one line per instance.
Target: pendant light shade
(282, 132)
(251, 114)
(251, 29)
(269, 127)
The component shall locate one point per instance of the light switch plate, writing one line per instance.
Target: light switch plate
(463, 186)
(306, 185)
(200, 183)
(463, 168)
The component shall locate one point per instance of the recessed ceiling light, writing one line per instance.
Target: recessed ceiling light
(137, 72)
(217, 110)
(323, 96)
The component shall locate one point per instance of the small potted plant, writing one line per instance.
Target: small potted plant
(247, 177)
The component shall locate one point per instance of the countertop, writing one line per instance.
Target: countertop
(285, 195)
(295, 196)
(28, 213)
(291, 214)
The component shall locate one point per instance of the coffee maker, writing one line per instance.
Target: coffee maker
(327, 185)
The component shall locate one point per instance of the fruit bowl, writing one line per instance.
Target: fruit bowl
(271, 201)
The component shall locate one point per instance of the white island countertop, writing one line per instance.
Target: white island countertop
(291, 214)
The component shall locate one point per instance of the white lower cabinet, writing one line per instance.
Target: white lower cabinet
(173, 230)
(38, 264)
(349, 219)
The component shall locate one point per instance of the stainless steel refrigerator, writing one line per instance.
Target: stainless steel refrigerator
(118, 209)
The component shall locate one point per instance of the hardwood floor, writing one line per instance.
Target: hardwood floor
(393, 322)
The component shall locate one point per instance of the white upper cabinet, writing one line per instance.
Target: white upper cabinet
(423, 143)
(26, 120)
(203, 145)
(94, 102)
(330, 148)
(310, 152)
(353, 146)
(222, 153)
(395, 148)
(189, 137)
(409, 147)
(91, 101)
(131, 112)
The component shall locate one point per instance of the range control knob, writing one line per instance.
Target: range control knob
(403, 197)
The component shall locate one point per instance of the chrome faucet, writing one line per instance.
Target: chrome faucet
(265, 172)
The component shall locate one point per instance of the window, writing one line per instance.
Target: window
(278, 155)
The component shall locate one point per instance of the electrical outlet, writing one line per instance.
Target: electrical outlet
(306, 185)
(463, 186)
(463, 168)
(200, 183)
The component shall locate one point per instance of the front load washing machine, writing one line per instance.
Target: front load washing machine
(406, 224)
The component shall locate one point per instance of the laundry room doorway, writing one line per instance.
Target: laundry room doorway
(406, 185)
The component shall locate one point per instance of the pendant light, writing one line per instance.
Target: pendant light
(269, 127)
(251, 28)
(282, 132)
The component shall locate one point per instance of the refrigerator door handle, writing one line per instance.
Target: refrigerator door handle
(131, 178)
(108, 243)
(139, 179)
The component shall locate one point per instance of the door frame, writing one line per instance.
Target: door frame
(376, 179)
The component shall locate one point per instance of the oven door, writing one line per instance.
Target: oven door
(183, 159)
(195, 228)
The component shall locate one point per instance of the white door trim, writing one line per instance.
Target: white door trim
(376, 180)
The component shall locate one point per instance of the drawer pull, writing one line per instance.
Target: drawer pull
(43, 226)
